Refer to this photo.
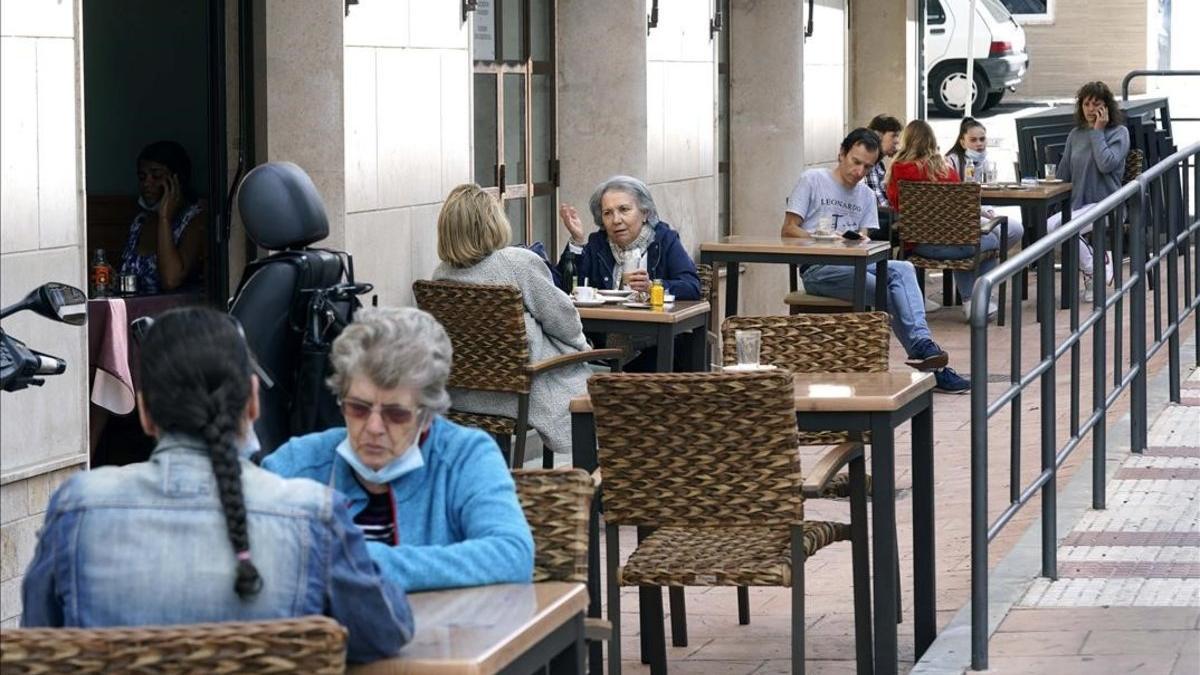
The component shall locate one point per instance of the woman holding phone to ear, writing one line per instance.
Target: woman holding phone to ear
(166, 237)
(1093, 161)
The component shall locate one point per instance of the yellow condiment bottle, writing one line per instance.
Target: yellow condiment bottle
(656, 293)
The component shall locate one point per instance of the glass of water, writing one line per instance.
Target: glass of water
(749, 344)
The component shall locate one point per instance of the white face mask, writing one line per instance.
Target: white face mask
(409, 461)
(976, 155)
(249, 444)
(146, 206)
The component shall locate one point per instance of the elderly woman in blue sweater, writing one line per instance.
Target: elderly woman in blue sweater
(434, 499)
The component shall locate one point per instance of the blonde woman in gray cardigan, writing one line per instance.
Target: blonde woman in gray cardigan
(473, 244)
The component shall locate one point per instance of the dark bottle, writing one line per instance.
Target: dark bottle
(566, 269)
(101, 275)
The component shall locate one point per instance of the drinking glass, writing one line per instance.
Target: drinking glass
(1051, 170)
(749, 343)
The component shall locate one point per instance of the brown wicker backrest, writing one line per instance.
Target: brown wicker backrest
(705, 272)
(556, 504)
(854, 342)
(939, 213)
(1135, 161)
(309, 644)
(486, 325)
(698, 449)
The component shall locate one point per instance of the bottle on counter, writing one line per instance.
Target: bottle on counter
(101, 275)
(568, 271)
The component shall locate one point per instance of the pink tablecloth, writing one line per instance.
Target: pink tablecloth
(113, 354)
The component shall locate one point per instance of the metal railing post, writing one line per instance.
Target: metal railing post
(1099, 343)
(979, 473)
(1171, 190)
(1137, 320)
(1045, 310)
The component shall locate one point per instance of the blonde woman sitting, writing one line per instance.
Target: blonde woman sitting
(473, 245)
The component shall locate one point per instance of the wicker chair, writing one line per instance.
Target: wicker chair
(309, 644)
(556, 504)
(711, 478)
(948, 214)
(486, 325)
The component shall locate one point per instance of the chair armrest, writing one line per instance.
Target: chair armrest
(828, 466)
(596, 629)
(578, 357)
(597, 478)
(990, 224)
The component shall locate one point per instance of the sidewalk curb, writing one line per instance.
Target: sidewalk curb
(950, 653)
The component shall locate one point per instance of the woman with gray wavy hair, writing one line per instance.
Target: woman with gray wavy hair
(631, 246)
(434, 499)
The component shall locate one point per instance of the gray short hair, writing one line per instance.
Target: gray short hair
(395, 347)
(630, 186)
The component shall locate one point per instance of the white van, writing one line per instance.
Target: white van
(1000, 57)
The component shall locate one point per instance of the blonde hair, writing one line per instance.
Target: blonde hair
(918, 145)
(471, 226)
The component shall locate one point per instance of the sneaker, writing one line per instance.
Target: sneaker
(992, 309)
(927, 355)
(950, 382)
(1089, 288)
(932, 305)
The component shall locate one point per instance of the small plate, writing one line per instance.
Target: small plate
(616, 292)
(747, 368)
(826, 237)
(636, 305)
(1051, 181)
(588, 303)
(614, 298)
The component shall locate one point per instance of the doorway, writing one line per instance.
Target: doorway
(516, 155)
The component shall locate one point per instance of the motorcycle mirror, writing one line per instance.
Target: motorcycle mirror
(56, 301)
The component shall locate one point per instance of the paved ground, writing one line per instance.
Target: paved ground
(719, 645)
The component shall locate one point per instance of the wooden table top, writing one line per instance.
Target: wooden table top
(478, 631)
(673, 313)
(793, 245)
(841, 392)
(1038, 191)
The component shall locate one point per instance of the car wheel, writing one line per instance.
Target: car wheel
(993, 99)
(947, 88)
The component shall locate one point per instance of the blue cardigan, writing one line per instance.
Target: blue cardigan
(666, 259)
(458, 517)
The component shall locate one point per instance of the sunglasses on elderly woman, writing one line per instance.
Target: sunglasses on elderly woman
(395, 415)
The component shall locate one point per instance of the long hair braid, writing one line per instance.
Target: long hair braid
(195, 372)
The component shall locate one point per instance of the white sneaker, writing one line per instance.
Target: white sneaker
(993, 308)
(932, 305)
(1089, 288)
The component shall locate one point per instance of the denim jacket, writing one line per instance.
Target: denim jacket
(146, 544)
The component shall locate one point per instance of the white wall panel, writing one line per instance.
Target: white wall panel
(362, 152)
(18, 144)
(57, 160)
(378, 23)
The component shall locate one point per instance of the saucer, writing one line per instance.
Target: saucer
(833, 236)
(596, 302)
(616, 292)
(747, 367)
(1051, 181)
(636, 305)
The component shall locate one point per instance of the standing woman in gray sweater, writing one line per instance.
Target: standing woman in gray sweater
(1093, 161)
(473, 244)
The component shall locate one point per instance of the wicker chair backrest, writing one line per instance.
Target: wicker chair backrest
(705, 272)
(556, 504)
(853, 342)
(939, 213)
(1135, 161)
(698, 449)
(486, 325)
(309, 644)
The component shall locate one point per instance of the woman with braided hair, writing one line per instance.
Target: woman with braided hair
(168, 541)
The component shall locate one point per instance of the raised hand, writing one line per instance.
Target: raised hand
(168, 206)
(570, 220)
(1101, 118)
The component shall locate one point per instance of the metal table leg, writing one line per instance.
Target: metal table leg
(883, 508)
(924, 529)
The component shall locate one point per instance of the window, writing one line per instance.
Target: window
(515, 152)
(1030, 11)
(934, 14)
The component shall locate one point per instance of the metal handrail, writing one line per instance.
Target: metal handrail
(1153, 204)
(1152, 73)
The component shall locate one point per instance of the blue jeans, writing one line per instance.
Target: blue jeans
(905, 302)
(965, 279)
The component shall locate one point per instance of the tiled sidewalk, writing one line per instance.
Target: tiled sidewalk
(1128, 595)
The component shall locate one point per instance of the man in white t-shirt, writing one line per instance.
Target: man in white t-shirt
(838, 198)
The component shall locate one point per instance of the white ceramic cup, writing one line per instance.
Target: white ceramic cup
(585, 293)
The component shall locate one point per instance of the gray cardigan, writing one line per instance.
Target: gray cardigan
(1093, 162)
(553, 327)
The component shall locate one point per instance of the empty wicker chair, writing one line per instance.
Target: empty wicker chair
(308, 645)
(711, 477)
(486, 325)
(948, 214)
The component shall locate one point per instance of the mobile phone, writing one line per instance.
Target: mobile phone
(852, 235)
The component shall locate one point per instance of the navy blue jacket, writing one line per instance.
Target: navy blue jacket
(666, 260)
